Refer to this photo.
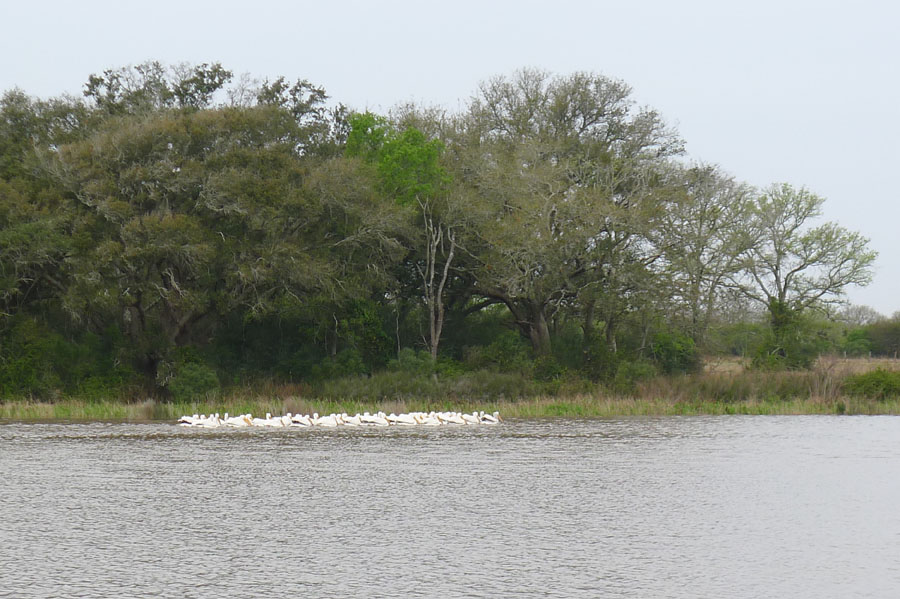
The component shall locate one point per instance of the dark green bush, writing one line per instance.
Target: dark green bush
(600, 362)
(629, 373)
(793, 346)
(28, 354)
(876, 384)
(675, 352)
(856, 343)
(38, 362)
(737, 339)
(347, 362)
(569, 345)
(546, 369)
(193, 380)
(420, 363)
(509, 351)
(412, 362)
(885, 337)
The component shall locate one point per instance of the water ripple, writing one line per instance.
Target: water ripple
(655, 507)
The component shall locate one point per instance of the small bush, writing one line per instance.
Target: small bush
(675, 352)
(412, 362)
(347, 362)
(546, 369)
(420, 362)
(628, 374)
(38, 362)
(856, 343)
(491, 385)
(193, 380)
(509, 351)
(600, 362)
(793, 342)
(877, 384)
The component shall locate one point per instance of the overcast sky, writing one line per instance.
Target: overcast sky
(805, 92)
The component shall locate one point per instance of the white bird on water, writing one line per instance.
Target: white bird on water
(300, 420)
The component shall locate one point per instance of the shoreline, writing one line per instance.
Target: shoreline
(71, 410)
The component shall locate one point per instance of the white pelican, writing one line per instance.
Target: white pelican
(212, 422)
(351, 420)
(374, 419)
(329, 421)
(471, 418)
(491, 418)
(451, 418)
(189, 420)
(301, 420)
(427, 419)
(234, 420)
(261, 421)
(405, 420)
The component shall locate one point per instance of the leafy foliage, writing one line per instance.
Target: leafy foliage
(407, 163)
(856, 343)
(675, 353)
(877, 384)
(193, 381)
(885, 337)
(180, 231)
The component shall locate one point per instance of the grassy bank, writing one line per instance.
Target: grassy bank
(721, 389)
(538, 407)
(582, 405)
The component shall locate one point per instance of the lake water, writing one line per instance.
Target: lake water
(719, 507)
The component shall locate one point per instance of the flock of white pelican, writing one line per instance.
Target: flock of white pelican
(334, 420)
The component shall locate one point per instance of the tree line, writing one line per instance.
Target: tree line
(178, 223)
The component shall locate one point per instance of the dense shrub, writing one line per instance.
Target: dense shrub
(737, 339)
(569, 345)
(795, 346)
(547, 369)
(629, 373)
(675, 352)
(27, 357)
(885, 337)
(856, 343)
(509, 351)
(464, 333)
(413, 362)
(346, 362)
(600, 363)
(193, 380)
(877, 384)
(38, 362)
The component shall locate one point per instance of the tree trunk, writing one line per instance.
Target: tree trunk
(783, 321)
(611, 334)
(588, 328)
(530, 319)
(332, 349)
(434, 291)
(539, 332)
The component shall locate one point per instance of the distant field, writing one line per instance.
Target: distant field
(856, 365)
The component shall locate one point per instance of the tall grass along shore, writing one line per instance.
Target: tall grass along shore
(832, 387)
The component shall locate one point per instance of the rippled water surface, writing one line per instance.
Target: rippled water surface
(671, 507)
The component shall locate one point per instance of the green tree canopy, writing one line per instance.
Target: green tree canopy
(564, 170)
